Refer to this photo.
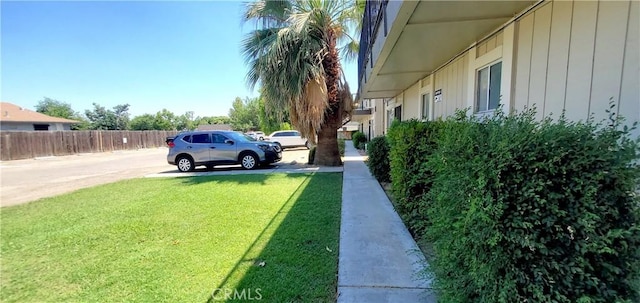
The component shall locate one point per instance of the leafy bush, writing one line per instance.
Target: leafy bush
(411, 145)
(312, 155)
(378, 151)
(341, 147)
(358, 139)
(527, 211)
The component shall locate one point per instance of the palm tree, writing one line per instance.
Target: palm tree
(294, 55)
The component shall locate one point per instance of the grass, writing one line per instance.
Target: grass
(273, 237)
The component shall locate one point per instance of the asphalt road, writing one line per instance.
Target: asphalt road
(22, 181)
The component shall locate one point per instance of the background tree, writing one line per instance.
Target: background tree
(244, 114)
(186, 121)
(294, 55)
(61, 109)
(165, 120)
(143, 122)
(55, 108)
(101, 118)
(121, 113)
(270, 122)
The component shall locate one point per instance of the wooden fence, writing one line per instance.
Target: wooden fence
(30, 144)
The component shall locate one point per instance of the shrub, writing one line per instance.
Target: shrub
(530, 211)
(378, 151)
(341, 147)
(411, 144)
(312, 155)
(358, 139)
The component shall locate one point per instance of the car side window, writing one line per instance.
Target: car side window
(201, 138)
(217, 138)
(295, 133)
(278, 134)
(187, 138)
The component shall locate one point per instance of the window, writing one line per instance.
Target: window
(488, 87)
(397, 114)
(217, 138)
(41, 127)
(425, 105)
(201, 138)
(187, 139)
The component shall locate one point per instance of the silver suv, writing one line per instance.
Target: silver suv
(209, 148)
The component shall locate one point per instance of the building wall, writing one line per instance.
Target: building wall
(378, 118)
(571, 55)
(411, 103)
(28, 126)
(451, 81)
(16, 126)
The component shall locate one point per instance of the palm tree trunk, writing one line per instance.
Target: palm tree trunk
(327, 153)
(327, 150)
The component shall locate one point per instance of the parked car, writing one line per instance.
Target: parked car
(256, 135)
(209, 148)
(288, 138)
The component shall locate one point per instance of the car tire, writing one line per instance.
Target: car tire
(307, 145)
(185, 164)
(249, 161)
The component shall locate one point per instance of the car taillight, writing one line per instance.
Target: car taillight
(171, 144)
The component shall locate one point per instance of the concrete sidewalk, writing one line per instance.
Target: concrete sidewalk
(379, 260)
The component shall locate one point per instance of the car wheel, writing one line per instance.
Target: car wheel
(307, 144)
(248, 161)
(185, 164)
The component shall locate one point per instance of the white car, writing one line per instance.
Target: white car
(256, 135)
(288, 138)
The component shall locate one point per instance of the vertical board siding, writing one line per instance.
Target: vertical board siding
(412, 102)
(452, 80)
(539, 56)
(629, 90)
(523, 62)
(580, 69)
(558, 57)
(30, 144)
(438, 110)
(608, 56)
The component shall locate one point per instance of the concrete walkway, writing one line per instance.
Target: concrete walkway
(379, 260)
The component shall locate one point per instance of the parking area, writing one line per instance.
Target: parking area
(23, 181)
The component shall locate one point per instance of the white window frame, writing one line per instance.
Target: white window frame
(488, 96)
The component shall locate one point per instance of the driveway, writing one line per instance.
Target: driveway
(22, 181)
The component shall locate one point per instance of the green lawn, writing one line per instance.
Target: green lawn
(268, 237)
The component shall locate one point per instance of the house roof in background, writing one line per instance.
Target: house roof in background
(215, 127)
(13, 113)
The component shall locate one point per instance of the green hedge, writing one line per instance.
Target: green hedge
(378, 151)
(411, 145)
(341, 146)
(521, 210)
(358, 139)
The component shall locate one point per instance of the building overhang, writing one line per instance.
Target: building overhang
(425, 35)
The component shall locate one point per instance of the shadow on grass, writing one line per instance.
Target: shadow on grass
(295, 257)
(258, 179)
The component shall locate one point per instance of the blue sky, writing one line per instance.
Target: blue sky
(182, 56)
